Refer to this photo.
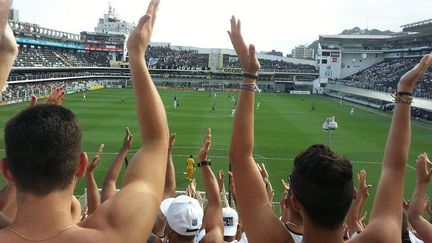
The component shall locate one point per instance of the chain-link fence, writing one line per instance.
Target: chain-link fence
(278, 165)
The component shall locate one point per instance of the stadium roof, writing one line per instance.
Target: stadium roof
(357, 37)
(420, 26)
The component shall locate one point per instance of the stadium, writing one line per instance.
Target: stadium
(352, 79)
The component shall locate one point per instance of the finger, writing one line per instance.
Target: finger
(263, 166)
(239, 27)
(155, 10)
(233, 24)
(151, 6)
(99, 152)
(252, 53)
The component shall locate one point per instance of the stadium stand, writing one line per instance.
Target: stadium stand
(385, 75)
(37, 56)
(167, 58)
(230, 61)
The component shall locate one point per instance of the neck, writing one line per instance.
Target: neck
(312, 233)
(49, 214)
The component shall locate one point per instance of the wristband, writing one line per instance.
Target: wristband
(204, 163)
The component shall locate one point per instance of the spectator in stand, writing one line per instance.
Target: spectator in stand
(323, 201)
(8, 45)
(52, 141)
(185, 215)
(418, 200)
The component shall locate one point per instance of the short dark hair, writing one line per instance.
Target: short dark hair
(43, 146)
(323, 182)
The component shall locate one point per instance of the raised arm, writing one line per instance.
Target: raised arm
(170, 179)
(212, 221)
(249, 184)
(417, 204)
(93, 197)
(221, 183)
(109, 187)
(138, 201)
(8, 45)
(387, 208)
(355, 212)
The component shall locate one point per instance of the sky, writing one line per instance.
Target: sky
(269, 24)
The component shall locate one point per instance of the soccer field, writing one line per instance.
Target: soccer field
(284, 126)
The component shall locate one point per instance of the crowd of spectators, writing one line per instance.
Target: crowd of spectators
(159, 57)
(385, 75)
(26, 90)
(37, 56)
(44, 159)
(230, 61)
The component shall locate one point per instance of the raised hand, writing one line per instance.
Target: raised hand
(203, 153)
(285, 185)
(246, 54)
(263, 171)
(192, 186)
(127, 141)
(423, 172)
(220, 179)
(56, 97)
(8, 45)
(408, 80)
(363, 188)
(7, 38)
(232, 184)
(94, 163)
(140, 37)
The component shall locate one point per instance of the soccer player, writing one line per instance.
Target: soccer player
(352, 110)
(313, 106)
(233, 111)
(190, 168)
(84, 97)
(175, 104)
(122, 99)
(258, 105)
(213, 109)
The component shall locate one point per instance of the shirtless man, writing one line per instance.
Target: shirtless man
(52, 141)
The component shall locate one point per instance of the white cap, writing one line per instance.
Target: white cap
(184, 214)
(231, 221)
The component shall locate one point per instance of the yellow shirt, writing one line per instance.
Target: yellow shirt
(190, 163)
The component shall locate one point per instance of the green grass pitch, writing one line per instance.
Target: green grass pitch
(284, 126)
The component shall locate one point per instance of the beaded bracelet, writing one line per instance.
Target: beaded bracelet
(250, 87)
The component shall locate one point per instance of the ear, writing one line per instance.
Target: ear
(5, 171)
(295, 203)
(82, 165)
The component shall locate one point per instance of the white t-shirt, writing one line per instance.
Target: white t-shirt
(414, 239)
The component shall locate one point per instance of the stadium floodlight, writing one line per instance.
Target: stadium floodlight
(329, 125)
